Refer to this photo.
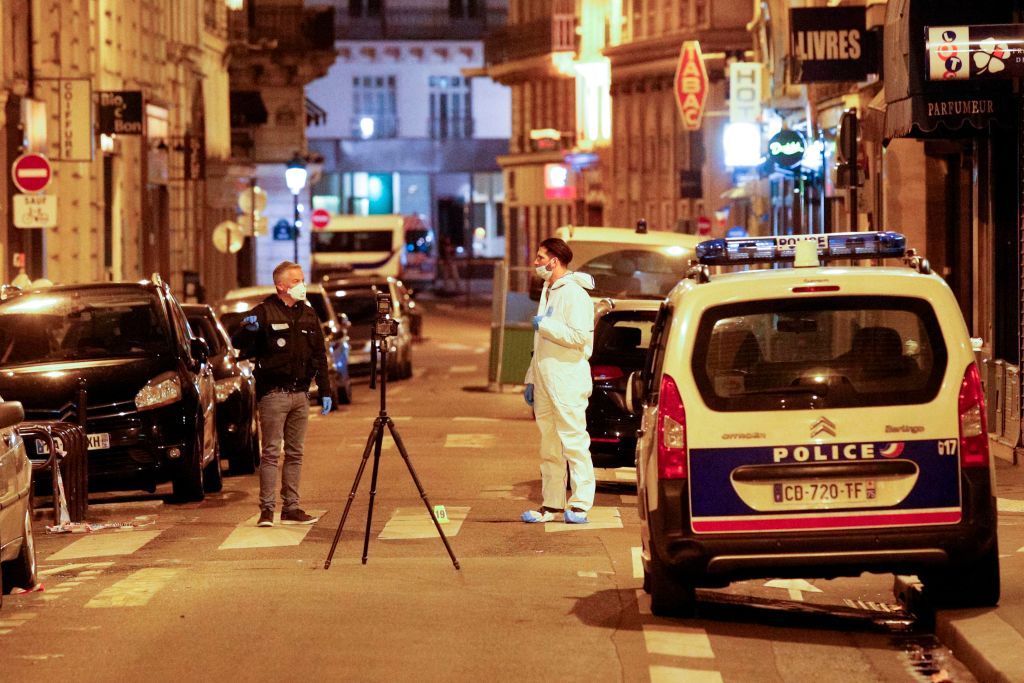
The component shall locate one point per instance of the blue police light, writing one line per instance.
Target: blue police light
(782, 248)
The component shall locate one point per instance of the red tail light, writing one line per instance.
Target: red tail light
(605, 373)
(973, 421)
(671, 431)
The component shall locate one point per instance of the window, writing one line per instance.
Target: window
(450, 108)
(464, 9)
(364, 8)
(374, 107)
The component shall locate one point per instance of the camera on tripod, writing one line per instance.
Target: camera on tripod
(384, 325)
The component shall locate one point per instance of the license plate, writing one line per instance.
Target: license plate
(98, 441)
(825, 492)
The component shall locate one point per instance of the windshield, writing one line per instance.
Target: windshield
(635, 273)
(358, 303)
(82, 324)
(354, 240)
(206, 329)
(827, 352)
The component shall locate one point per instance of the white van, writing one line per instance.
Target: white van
(358, 245)
(813, 421)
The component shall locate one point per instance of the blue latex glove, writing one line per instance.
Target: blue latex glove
(326, 402)
(250, 323)
(528, 395)
(538, 318)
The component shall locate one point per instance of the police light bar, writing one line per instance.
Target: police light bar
(782, 248)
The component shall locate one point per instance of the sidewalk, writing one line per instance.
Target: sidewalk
(990, 642)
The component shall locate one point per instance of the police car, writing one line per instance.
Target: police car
(813, 421)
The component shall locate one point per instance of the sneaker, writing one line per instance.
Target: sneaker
(266, 518)
(575, 517)
(537, 516)
(297, 516)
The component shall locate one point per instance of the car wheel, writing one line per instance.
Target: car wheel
(188, 483)
(248, 458)
(670, 597)
(213, 476)
(975, 585)
(21, 571)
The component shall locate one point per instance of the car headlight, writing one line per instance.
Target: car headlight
(160, 391)
(227, 386)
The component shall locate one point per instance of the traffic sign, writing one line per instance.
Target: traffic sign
(283, 230)
(35, 211)
(703, 225)
(320, 219)
(691, 85)
(31, 173)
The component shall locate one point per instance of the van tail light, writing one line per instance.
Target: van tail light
(605, 373)
(671, 431)
(973, 421)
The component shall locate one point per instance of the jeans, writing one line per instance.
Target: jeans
(283, 420)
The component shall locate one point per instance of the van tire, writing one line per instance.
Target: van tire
(974, 585)
(670, 597)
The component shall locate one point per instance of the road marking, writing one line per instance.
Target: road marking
(454, 346)
(248, 535)
(586, 575)
(458, 369)
(643, 603)
(672, 674)
(135, 590)
(415, 522)
(470, 441)
(638, 564)
(600, 518)
(13, 621)
(476, 419)
(1009, 505)
(105, 545)
(796, 587)
(90, 568)
(677, 641)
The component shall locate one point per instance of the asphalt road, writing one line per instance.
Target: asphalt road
(196, 591)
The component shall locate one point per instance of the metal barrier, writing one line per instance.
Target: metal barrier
(61, 450)
(999, 389)
(1011, 405)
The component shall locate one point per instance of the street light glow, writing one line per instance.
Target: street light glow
(295, 174)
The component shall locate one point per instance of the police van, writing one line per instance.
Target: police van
(819, 420)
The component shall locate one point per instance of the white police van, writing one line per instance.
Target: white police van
(813, 421)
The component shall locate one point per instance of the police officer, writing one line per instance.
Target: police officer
(283, 334)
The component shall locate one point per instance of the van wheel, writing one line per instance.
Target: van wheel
(188, 482)
(213, 476)
(975, 585)
(670, 597)
(21, 571)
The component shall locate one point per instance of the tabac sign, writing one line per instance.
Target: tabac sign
(959, 53)
(691, 85)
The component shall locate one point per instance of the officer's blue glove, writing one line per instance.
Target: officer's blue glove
(250, 323)
(326, 402)
(536, 321)
(528, 395)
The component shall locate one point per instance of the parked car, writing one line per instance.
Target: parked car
(151, 413)
(813, 421)
(17, 545)
(235, 388)
(354, 297)
(238, 302)
(621, 336)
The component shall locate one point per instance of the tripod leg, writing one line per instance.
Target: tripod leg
(378, 429)
(379, 426)
(419, 487)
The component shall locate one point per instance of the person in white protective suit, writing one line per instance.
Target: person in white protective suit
(558, 385)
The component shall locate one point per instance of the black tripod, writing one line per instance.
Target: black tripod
(379, 347)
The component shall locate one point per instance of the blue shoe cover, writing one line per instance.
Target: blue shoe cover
(536, 516)
(575, 517)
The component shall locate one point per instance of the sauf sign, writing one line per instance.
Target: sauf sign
(691, 85)
(830, 44)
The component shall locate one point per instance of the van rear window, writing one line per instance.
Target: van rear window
(827, 352)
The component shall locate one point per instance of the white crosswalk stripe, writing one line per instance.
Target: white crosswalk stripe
(248, 535)
(105, 544)
(414, 522)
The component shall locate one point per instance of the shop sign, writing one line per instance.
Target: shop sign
(75, 116)
(691, 85)
(121, 112)
(829, 44)
(744, 92)
(558, 182)
(786, 148)
(985, 51)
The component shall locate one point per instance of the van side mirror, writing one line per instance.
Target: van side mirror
(635, 392)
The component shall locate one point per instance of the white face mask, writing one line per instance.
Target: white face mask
(298, 292)
(544, 273)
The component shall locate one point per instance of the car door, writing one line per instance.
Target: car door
(201, 374)
(14, 481)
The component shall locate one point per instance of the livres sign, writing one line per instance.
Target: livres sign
(830, 44)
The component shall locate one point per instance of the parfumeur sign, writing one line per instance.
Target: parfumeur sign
(830, 44)
(691, 85)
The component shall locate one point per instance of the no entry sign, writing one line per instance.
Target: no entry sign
(320, 218)
(31, 173)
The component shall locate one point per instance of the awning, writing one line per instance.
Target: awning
(917, 107)
(315, 114)
(247, 109)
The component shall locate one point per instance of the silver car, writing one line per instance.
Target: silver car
(17, 547)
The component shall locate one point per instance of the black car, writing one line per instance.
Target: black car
(235, 388)
(621, 336)
(150, 397)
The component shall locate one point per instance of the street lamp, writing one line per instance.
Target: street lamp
(295, 178)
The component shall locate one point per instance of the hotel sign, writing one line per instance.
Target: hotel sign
(985, 51)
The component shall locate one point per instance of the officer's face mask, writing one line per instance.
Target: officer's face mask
(544, 272)
(298, 292)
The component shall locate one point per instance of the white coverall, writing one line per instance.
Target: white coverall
(562, 384)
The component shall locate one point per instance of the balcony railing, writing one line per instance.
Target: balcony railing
(442, 128)
(556, 33)
(384, 126)
(289, 28)
(418, 24)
